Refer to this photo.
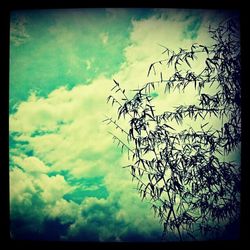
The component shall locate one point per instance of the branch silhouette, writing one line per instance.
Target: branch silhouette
(193, 188)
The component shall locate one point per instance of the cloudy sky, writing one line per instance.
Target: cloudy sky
(66, 175)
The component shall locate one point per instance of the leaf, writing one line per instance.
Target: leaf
(161, 77)
(202, 126)
(171, 59)
(150, 67)
(116, 82)
(114, 87)
(208, 65)
(165, 125)
(187, 62)
(204, 48)
(152, 187)
(108, 99)
(152, 84)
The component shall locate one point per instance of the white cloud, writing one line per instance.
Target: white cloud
(66, 132)
(116, 218)
(25, 183)
(73, 119)
(166, 29)
(31, 164)
(53, 188)
(65, 211)
(21, 187)
(146, 38)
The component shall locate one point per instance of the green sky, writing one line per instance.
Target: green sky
(66, 175)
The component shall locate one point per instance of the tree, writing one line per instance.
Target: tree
(193, 186)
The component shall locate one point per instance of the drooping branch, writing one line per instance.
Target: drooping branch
(185, 173)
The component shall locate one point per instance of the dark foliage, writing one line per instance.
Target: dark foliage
(193, 187)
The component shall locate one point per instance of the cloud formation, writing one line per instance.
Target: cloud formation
(65, 130)
(65, 171)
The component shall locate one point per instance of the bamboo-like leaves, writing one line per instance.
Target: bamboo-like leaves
(184, 174)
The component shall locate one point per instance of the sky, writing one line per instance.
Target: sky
(66, 175)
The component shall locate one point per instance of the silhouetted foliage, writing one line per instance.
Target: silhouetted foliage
(193, 188)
